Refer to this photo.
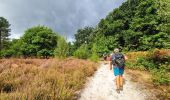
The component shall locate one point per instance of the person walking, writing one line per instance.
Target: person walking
(117, 60)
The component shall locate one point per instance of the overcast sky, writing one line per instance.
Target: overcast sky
(63, 16)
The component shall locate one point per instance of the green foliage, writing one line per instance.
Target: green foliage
(7, 53)
(144, 62)
(84, 35)
(71, 49)
(16, 45)
(157, 62)
(161, 76)
(82, 52)
(137, 25)
(133, 65)
(38, 41)
(94, 57)
(101, 45)
(4, 33)
(62, 49)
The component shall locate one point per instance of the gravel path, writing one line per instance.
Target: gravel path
(102, 87)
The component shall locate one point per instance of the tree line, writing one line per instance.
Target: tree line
(137, 25)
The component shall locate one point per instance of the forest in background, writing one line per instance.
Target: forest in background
(140, 28)
(137, 25)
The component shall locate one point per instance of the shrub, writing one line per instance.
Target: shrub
(161, 76)
(36, 39)
(44, 53)
(159, 56)
(94, 57)
(82, 52)
(156, 61)
(149, 65)
(131, 64)
(62, 48)
(7, 53)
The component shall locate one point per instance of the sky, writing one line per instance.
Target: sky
(63, 16)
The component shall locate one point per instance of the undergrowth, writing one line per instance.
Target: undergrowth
(157, 62)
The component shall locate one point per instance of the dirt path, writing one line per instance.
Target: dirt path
(102, 87)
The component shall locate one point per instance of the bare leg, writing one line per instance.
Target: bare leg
(121, 80)
(118, 82)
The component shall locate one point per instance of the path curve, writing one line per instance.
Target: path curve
(102, 87)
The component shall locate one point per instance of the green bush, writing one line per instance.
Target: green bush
(38, 41)
(94, 57)
(44, 53)
(7, 53)
(157, 62)
(161, 76)
(133, 65)
(82, 52)
(62, 49)
(149, 65)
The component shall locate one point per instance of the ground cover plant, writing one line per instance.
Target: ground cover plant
(43, 79)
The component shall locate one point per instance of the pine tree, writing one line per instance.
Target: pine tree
(4, 32)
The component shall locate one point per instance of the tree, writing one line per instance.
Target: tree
(62, 49)
(164, 12)
(39, 41)
(94, 57)
(82, 52)
(83, 36)
(4, 32)
(136, 25)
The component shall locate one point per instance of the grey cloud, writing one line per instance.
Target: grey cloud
(63, 16)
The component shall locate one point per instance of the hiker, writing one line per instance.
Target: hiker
(117, 59)
(105, 56)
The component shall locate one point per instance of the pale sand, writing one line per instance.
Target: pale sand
(101, 86)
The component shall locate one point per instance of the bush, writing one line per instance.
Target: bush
(161, 76)
(156, 61)
(149, 65)
(62, 48)
(38, 41)
(7, 53)
(131, 64)
(94, 57)
(82, 52)
(159, 56)
(44, 53)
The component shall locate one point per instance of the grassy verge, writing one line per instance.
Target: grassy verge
(40, 79)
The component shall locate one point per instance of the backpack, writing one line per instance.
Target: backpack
(118, 60)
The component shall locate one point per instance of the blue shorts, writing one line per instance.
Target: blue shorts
(118, 71)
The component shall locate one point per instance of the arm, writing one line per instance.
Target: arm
(126, 58)
(110, 65)
(110, 62)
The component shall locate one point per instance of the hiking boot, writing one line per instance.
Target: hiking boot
(118, 91)
(121, 88)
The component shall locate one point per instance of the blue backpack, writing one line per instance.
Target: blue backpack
(118, 60)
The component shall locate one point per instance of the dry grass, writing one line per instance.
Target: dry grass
(42, 79)
(134, 55)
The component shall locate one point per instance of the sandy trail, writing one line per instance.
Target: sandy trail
(102, 87)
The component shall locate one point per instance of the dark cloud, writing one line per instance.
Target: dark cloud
(63, 16)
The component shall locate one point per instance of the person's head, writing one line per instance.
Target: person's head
(116, 50)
